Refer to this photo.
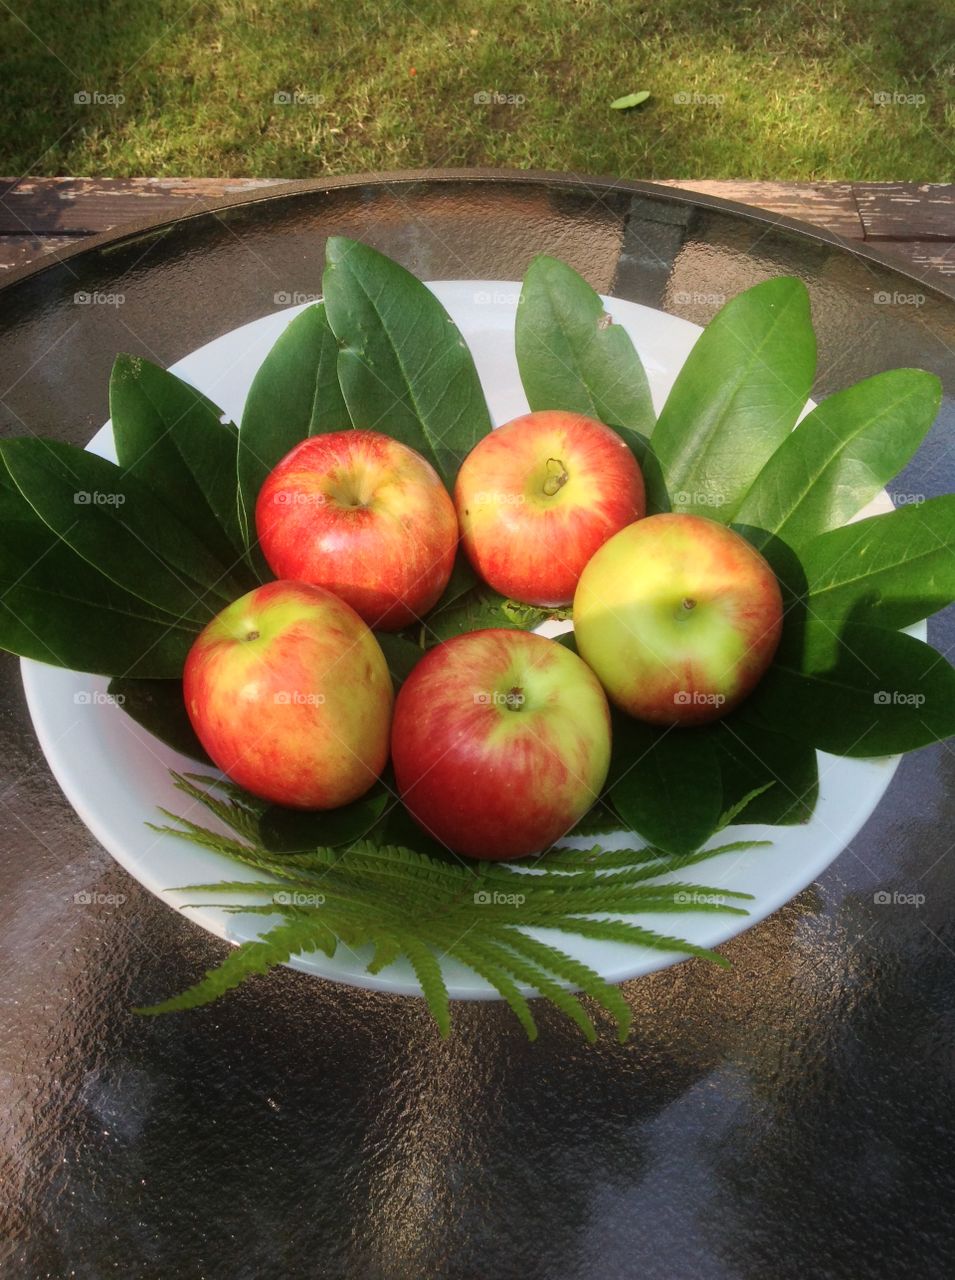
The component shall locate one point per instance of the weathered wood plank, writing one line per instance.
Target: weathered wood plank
(17, 251)
(907, 210)
(931, 260)
(88, 206)
(825, 204)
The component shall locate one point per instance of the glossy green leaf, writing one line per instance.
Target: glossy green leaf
(753, 757)
(112, 520)
(630, 100)
(295, 394)
(736, 398)
(401, 653)
(571, 356)
(283, 830)
(665, 784)
(892, 569)
(463, 579)
(403, 367)
(840, 456)
(865, 691)
(159, 707)
(482, 608)
(57, 608)
(173, 439)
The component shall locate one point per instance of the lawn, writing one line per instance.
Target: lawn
(296, 89)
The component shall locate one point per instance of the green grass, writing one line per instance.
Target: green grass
(784, 90)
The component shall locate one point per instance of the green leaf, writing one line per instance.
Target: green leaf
(577, 974)
(427, 970)
(736, 398)
(276, 947)
(403, 366)
(840, 456)
(571, 356)
(483, 608)
(55, 607)
(753, 757)
(283, 830)
(630, 100)
(173, 439)
(600, 820)
(463, 579)
(665, 784)
(114, 522)
(295, 394)
(862, 692)
(401, 654)
(486, 966)
(891, 570)
(159, 707)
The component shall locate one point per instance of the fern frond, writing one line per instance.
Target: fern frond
(477, 959)
(276, 947)
(577, 973)
(405, 903)
(387, 951)
(532, 975)
(624, 931)
(735, 810)
(428, 972)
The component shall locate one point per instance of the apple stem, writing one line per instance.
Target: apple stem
(689, 604)
(558, 477)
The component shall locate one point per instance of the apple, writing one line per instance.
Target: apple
(500, 742)
(538, 496)
(289, 692)
(679, 617)
(364, 516)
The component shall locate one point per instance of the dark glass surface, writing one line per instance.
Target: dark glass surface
(790, 1118)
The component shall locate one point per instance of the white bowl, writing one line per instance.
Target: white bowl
(116, 775)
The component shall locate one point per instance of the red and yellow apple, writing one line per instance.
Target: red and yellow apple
(679, 617)
(538, 496)
(500, 742)
(364, 516)
(289, 692)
